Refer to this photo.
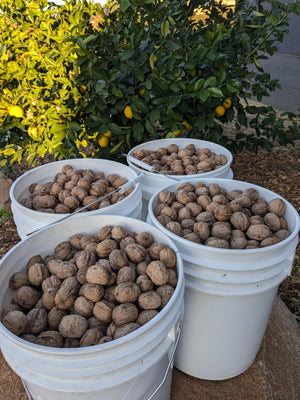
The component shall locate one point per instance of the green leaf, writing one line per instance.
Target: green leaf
(171, 20)
(114, 128)
(199, 84)
(246, 41)
(204, 95)
(138, 131)
(116, 147)
(216, 92)
(165, 28)
(221, 76)
(273, 19)
(210, 82)
(174, 101)
(258, 14)
(124, 4)
(150, 127)
(100, 85)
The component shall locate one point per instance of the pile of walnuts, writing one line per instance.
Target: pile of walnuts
(73, 189)
(187, 161)
(209, 215)
(92, 290)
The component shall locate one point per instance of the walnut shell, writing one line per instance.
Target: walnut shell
(99, 274)
(54, 317)
(103, 311)
(202, 229)
(34, 259)
(15, 321)
(150, 300)
(272, 221)
(222, 212)
(146, 316)
(127, 292)
(66, 294)
(92, 291)
(73, 326)
(105, 247)
(240, 221)
(26, 297)
(36, 321)
(124, 313)
(118, 233)
(157, 272)
(221, 230)
(258, 232)
(125, 329)
(168, 257)
(17, 280)
(165, 292)
(83, 306)
(215, 242)
(61, 269)
(53, 282)
(277, 206)
(50, 339)
(269, 241)
(63, 251)
(91, 337)
(175, 227)
(84, 258)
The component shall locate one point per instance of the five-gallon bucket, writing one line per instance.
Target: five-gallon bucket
(28, 220)
(228, 294)
(152, 181)
(137, 366)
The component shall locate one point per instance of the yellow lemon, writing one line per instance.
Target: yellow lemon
(82, 89)
(128, 112)
(33, 132)
(177, 133)
(16, 111)
(187, 125)
(103, 141)
(220, 111)
(107, 134)
(227, 103)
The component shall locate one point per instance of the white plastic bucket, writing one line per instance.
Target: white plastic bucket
(228, 294)
(136, 367)
(28, 220)
(151, 182)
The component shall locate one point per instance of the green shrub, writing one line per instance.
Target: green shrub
(96, 81)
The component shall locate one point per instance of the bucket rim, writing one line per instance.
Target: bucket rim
(116, 342)
(228, 155)
(62, 215)
(217, 250)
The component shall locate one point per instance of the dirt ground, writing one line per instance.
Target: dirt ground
(278, 171)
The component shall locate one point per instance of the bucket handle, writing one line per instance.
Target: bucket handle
(169, 365)
(158, 387)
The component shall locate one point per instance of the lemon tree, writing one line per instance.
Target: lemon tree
(83, 79)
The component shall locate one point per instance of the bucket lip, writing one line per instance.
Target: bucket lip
(118, 220)
(62, 215)
(217, 250)
(222, 149)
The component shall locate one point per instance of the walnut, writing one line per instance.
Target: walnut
(69, 185)
(85, 259)
(157, 272)
(79, 193)
(118, 233)
(118, 259)
(15, 321)
(104, 233)
(272, 221)
(135, 252)
(172, 277)
(124, 313)
(256, 220)
(282, 234)
(9, 307)
(73, 326)
(258, 232)
(145, 316)
(251, 193)
(61, 269)
(252, 244)
(144, 239)
(260, 207)
(83, 306)
(221, 230)
(36, 321)
(91, 337)
(105, 247)
(127, 292)
(63, 251)
(66, 294)
(54, 317)
(92, 291)
(183, 213)
(202, 229)
(99, 274)
(214, 189)
(62, 209)
(215, 242)
(88, 200)
(244, 200)
(234, 194)
(50, 339)
(222, 212)
(48, 201)
(41, 190)
(277, 206)
(187, 223)
(84, 183)
(26, 297)
(184, 197)
(168, 257)
(155, 249)
(56, 189)
(97, 190)
(165, 292)
(175, 227)
(144, 283)
(48, 298)
(109, 294)
(206, 216)
(194, 208)
(240, 221)
(53, 282)
(103, 311)
(150, 300)
(269, 241)
(17, 280)
(126, 274)
(125, 329)
(238, 239)
(167, 197)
